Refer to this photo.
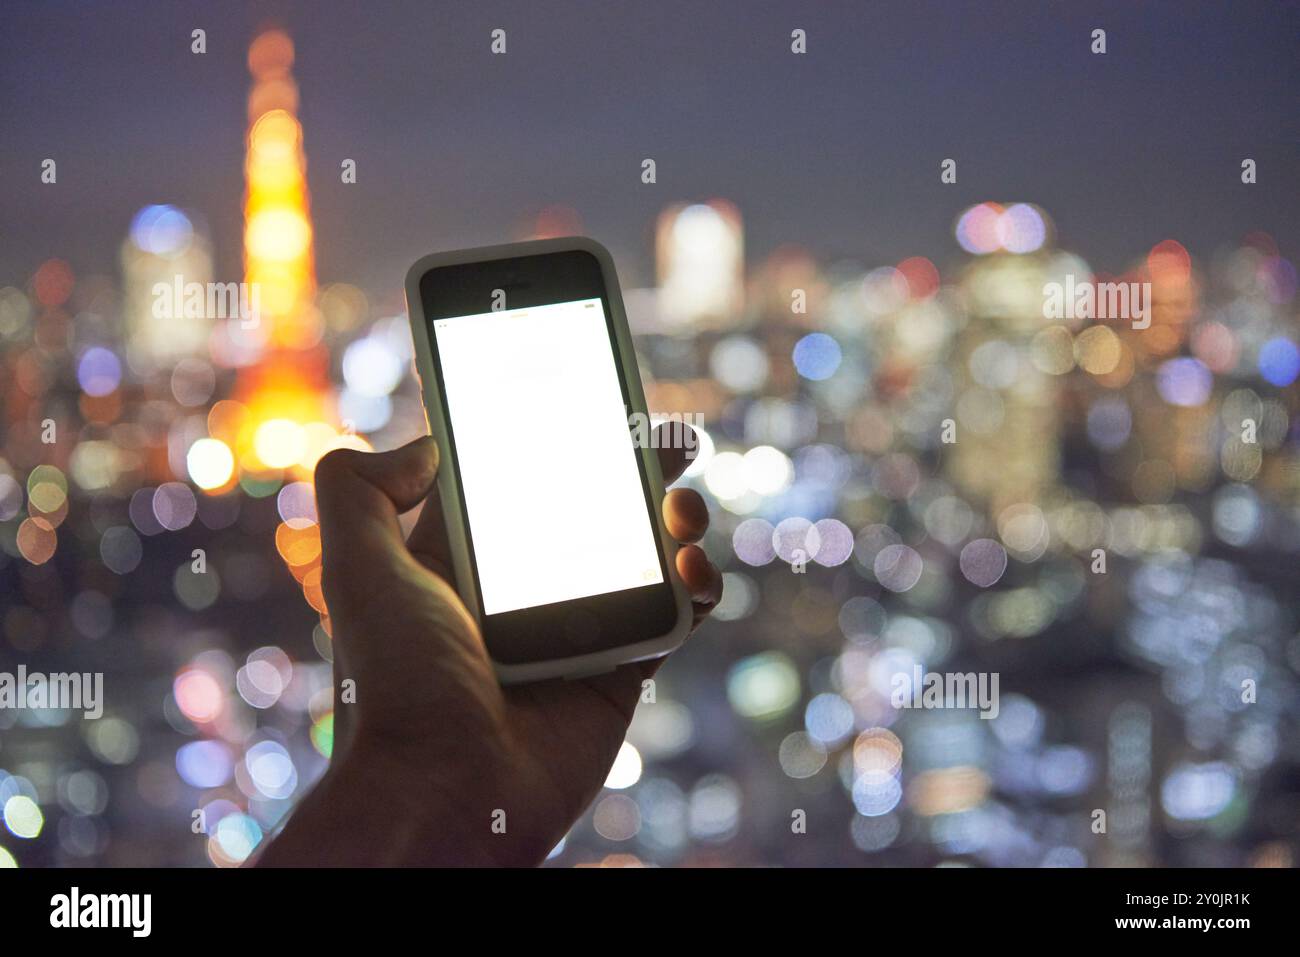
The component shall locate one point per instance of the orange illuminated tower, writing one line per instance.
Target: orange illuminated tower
(285, 390)
(283, 417)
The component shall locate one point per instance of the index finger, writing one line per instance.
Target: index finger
(677, 444)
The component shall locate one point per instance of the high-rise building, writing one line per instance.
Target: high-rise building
(165, 251)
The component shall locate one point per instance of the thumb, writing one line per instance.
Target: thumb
(358, 498)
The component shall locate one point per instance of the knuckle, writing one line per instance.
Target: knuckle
(333, 464)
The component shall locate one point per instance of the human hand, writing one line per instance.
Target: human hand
(433, 750)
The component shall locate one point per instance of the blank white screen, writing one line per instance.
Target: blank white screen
(547, 464)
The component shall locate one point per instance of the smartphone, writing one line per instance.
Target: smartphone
(553, 509)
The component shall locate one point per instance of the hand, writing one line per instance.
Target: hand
(433, 751)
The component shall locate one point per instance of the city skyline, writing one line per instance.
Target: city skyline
(837, 151)
(922, 452)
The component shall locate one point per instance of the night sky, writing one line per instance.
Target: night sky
(837, 150)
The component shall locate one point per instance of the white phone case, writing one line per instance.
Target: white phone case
(574, 666)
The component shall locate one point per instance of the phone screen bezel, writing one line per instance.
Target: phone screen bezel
(580, 626)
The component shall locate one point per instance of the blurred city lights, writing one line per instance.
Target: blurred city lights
(1104, 514)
